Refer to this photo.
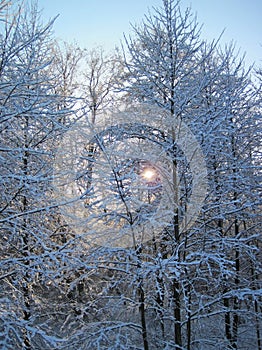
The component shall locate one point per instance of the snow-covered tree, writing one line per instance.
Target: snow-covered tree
(226, 119)
(66, 65)
(162, 59)
(101, 72)
(30, 127)
(169, 66)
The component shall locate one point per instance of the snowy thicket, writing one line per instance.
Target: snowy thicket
(130, 205)
(32, 122)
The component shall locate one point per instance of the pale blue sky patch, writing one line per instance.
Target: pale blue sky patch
(103, 22)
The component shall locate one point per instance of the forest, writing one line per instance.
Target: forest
(130, 188)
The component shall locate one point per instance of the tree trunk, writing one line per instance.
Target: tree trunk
(160, 305)
(177, 315)
(255, 280)
(26, 313)
(176, 283)
(259, 345)
(188, 325)
(227, 320)
(143, 315)
(235, 302)
(25, 251)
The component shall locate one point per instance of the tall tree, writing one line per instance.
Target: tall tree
(227, 121)
(30, 128)
(169, 66)
(164, 58)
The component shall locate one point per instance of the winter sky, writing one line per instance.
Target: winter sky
(94, 23)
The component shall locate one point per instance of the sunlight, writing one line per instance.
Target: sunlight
(148, 174)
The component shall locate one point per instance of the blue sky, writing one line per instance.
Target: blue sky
(103, 22)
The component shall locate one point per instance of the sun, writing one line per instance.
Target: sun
(148, 174)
